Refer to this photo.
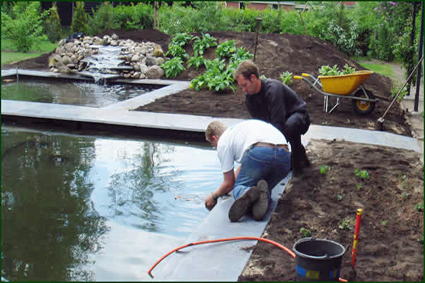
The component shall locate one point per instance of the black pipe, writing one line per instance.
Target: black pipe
(421, 46)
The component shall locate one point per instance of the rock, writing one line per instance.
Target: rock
(150, 61)
(114, 37)
(66, 60)
(114, 43)
(135, 58)
(160, 61)
(154, 72)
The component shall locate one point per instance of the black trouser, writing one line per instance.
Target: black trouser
(296, 125)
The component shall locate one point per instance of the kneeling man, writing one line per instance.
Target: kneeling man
(264, 159)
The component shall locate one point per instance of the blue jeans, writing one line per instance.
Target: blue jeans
(270, 164)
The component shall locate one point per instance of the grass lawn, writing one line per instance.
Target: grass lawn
(9, 54)
(383, 69)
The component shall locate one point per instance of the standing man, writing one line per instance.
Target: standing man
(271, 101)
(265, 160)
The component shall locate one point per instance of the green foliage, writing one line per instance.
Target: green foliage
(396, 88)
(196, 62)
(22, 23)
(286, 77)
(133, 17)
(324, 168)
(305, 232)
(384, 222)
(181, 39)
(200, 45)
(52, 25)
(241, 54)
(359, 187)
(177, 51)
(340, 197)
(363, 174)
(419, 207)
(79, 21)
(102, 19)
(326, 70)
(226, 49)
(345, 225)
(173, 67)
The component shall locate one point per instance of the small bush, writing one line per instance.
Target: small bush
(173, 67)
(52, 26)
(23, 24)
(79, 21)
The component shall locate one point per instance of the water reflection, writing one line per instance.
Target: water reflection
(90, 208)
(71, 93)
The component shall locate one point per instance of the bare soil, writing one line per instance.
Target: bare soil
(391, 236)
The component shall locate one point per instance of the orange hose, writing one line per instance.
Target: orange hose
(225, 240)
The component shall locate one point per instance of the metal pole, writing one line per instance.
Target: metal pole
(259, 19)
(412, 38)
(421, 46)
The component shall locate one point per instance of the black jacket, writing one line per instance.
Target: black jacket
(274, 103)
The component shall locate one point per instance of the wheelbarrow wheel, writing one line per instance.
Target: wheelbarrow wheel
(362, 107)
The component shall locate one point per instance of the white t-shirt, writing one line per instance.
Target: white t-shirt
(237, 139)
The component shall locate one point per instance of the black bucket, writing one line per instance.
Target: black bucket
(318, 259)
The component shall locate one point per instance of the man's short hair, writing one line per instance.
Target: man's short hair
(246, 69)
(215, 128)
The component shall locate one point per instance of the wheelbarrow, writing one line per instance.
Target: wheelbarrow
(343, 86)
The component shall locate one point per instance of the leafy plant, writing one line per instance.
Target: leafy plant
(195, 62)
(226, 49)
(198, 83)
(406, 195)
(419, 207)
(305, 232)
(177, 51)
(347, 70)
(324, 168)
(286, 78)
(181, 39)
(326, 70)
(173, 67)
(363, 174)
(359, 187)
(340, 197)
(345, 225)
(241, 54)
(200, 45)
(384, 222)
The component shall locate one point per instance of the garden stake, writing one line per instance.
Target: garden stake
(356, 237)
(379, 125)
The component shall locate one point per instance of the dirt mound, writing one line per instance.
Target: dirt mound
(277, 53)
(391, 234)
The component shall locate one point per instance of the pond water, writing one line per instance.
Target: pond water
(72, 92)
(93, 208)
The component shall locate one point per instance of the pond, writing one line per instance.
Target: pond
(71, 92)
(94, 208)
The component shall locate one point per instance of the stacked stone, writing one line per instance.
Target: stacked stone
(144, 58)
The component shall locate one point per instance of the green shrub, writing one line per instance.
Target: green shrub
(79, 21)
(52, 26)
(226, 49)
(200, 45)
(102, 19)
(196, 62)
(286, 78)
(133, 17)
(23, 24)
(173, 67)
(177, 51)
(181, 39)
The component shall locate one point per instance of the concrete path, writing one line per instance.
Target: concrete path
(211, 262)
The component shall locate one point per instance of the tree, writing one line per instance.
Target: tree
(79, 21)
(52, 26)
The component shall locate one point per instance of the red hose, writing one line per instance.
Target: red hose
(226, 240)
